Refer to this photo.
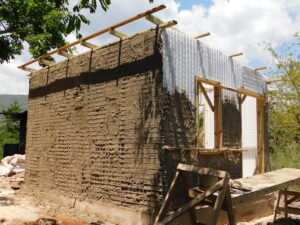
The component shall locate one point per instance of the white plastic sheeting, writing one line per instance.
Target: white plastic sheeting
(185, 57)
(249, 136)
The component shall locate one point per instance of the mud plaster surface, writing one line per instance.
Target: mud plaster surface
(97, 122)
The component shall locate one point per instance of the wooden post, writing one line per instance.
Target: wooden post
(218, 116)
(260, 135)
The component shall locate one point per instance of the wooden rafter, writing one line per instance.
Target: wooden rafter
(235, 55)
(28, 69)
(139, 16)
(88, 44)
(154, 19)
(260, 68)
(118, 34)
(46, 62)
(65, 54)
(168, 24)
(202, 35)
(274, 79)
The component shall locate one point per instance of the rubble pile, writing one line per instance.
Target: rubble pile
(13, 168)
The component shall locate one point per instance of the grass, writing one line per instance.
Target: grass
(285, 156)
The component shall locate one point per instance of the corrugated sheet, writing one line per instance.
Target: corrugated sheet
(185, 57)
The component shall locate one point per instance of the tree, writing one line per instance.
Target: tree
(44, 25)
(9, 126)
(284, 105)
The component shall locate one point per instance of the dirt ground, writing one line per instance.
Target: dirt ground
(16, 209)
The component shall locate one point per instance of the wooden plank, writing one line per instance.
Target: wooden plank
(65, 54)
(260, 136)
(219, 202)
(169, 148)
(206, 96)
(46, 62)
(118, 34)
(260, 68)
(164, 208)
(218, 117)
(235, 55)
(274, 79)
(250, 93)
(241, 90)
(291, 210)
(229, 207)
(208, 81)
(243, 98)
(192, 203)
(28, 69)
(273, 181)
(88, 44)
(168, 24)
(202, 35)
(186, 183)
(154, 19)
(141, 15)
(201, 170)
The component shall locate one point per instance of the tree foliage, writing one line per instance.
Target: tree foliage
(44, 25)
(9, 126)
(284, 103)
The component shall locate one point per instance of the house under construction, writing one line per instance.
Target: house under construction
(110, 125)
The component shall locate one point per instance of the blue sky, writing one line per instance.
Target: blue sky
(187, 4)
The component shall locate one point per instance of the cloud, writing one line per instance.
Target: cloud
(236, 26)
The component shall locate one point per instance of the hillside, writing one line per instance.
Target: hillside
(6, 100)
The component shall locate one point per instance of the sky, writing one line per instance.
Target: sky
(235, 26)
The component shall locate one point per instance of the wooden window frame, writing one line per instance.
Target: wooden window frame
(216, 107)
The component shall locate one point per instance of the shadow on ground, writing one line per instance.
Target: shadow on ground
(285, 221)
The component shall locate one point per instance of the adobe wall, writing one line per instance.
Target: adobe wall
(97, 123)
(93, 125)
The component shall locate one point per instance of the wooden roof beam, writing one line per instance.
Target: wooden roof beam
(260, 68)
(202, 35)
(168, 24)
(118, 34)
(46, 62)
(28, 69)
(274, 79)
(139, 16)
(88, 45)
(65, 54)
(235, 55)
(154, 19)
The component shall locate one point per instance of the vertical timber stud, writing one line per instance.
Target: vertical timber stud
(196, 91)
(218, 116)
(260, 135)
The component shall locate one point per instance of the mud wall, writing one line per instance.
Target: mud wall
(179, 130)
(93, 124)
(97, 123)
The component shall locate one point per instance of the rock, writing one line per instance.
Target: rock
(46, 221)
